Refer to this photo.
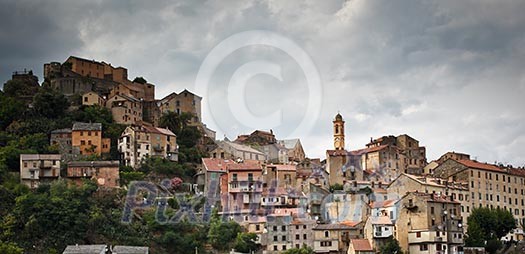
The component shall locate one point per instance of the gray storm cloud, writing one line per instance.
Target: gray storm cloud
(448, 73)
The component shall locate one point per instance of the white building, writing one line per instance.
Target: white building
(138, 142)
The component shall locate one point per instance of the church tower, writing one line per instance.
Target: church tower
(339, 132)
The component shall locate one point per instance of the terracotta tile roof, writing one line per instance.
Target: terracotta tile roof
(479, 165)
(347, 225)
(382, 204)
(157, 130)
(368, 150)
(283, 167)
(213, 164)
(517, 172)
(361, 245)
(246, 165)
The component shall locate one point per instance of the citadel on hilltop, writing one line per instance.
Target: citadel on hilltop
(352, 201)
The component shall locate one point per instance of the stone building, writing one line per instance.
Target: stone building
(275, 153)
(138, 142)
(429, 223)
(489, 186)
(335, 237)
(383, 159)
(78, 76)
(283, 175)
(234, 151)
(104, 173)
(61, 138)
(183, 102)
(36, 169)
(453, 155)
(125, 109)
(278, 236)
(91, 98)
(258, 138)
(457, 191)
(295, 151)
(301, 232)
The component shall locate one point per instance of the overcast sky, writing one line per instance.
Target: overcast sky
(448, 73)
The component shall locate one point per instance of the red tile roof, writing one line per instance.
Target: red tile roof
(246, 165)
(285, 167)
(213, 164)
(368, 150)
(517, 172)
(479, 165)
(361, 245)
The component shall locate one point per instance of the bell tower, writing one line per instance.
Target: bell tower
(339, 132)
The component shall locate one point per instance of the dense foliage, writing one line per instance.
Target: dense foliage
(47, 219)
(391, 246)
(486, 226)
(302, 250)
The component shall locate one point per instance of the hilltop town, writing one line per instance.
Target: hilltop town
(90, 134)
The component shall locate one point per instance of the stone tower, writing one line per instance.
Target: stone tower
(339, 132)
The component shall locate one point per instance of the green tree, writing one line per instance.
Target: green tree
(10, 109)
(18, 89)
(246, 242)
(175, 122)
(222, 234)
(486, 226)
(10, 248)
(50, 103)
(303, 250)
(391, 247)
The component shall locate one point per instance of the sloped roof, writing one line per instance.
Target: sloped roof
(346, 225)
(66, 130)
(240, 147)
(517, 172)
(158, 130)
(479, 165)
(130, 250)
(289, 143)
(85, 249)
(368, 150)
(284, 167)
(40, 156)
(361, 245)
(246, 165)
(79, 126)
(214, 164)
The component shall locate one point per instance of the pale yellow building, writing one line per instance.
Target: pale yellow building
(92, 98)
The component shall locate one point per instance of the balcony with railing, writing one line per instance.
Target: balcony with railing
(244, 186)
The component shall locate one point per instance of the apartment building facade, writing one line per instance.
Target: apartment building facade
(86, 139)
(36, 169)
(104, 173)
(138, 142)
